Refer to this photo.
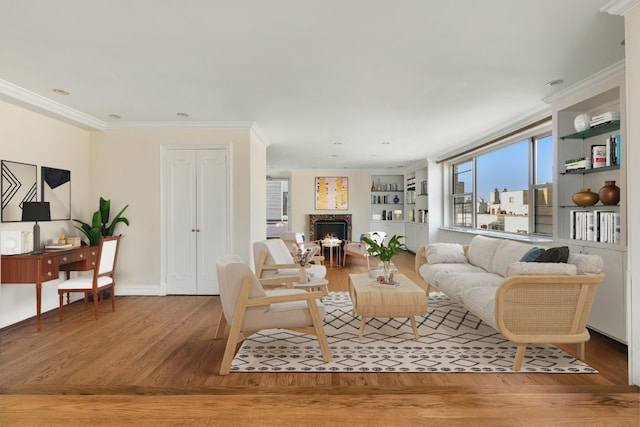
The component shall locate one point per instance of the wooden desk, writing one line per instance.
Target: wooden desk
(40, 268)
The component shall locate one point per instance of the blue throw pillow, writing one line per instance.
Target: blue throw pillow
(532, 254)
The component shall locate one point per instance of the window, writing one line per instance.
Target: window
(507, 188)
(277, 206)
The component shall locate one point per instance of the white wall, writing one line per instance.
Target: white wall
(29, 137)
(126, 169)
(632, 72)
(302, 199)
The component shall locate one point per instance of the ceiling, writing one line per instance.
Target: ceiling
(331, 84)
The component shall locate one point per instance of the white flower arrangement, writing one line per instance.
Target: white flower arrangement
(301, 257)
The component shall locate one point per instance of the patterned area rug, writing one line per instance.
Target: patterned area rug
(451, 340)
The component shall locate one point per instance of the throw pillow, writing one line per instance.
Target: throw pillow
(518, 268)
(532, 254)
(440, 253)
(557, 254)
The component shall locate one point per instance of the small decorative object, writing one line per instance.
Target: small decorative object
(585, 197)
(302, 258)
(581, 122)
(385, 252)
(396, 199)
(373, 186)
(398, 214)
(61, 240)
(379, 187)
(609, 194)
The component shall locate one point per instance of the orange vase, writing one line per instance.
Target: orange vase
(585, 197)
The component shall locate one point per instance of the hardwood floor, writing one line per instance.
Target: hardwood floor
(155, 362)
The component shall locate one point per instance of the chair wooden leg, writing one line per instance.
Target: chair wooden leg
(95, 306)
(61, 300)
(318, 326)
(113, 299)
(517, 363)
(222, 326)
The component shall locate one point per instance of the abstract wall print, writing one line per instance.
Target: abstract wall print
(56, 189)
(332, 192)
(19, 184)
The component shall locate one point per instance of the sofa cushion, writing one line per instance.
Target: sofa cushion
(437, 253)
(537, 268)
(507, 252)
(480, 301)
(586, 264)
(455, 284)
(557, 254)
(532, 254)
(431, 273)
(481, 251)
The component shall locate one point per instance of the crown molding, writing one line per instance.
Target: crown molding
(40, 104)
(180, 125)
(263, 138)
(619, 7)
(602, 76)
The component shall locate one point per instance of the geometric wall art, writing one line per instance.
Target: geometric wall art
(19, 184)
(56, 189)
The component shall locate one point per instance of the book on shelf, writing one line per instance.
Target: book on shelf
(596, 226)
(598, 156)
(613, 150)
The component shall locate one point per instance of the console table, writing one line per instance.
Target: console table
(45, 266)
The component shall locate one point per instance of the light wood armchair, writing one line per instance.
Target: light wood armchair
(247, 308)
(540, 309)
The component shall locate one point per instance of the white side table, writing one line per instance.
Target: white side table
(315, 284)
(332, 244)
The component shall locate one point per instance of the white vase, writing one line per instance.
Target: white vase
(304, 276)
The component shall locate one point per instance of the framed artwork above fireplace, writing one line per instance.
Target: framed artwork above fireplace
(332, 192)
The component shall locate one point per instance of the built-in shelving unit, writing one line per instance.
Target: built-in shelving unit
(608, 312)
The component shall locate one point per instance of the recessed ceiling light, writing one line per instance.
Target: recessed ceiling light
(60, 91)
(555, 82)
(182, 114)
(386, 143)
(374, 155)
(114, 116)
(334, 155)
(337, 143)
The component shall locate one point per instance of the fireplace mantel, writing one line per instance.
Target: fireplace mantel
(313, 218)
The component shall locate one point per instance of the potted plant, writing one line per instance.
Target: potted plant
(99, 226)
(385, 252)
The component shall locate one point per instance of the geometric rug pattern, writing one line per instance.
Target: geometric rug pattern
(451, 340)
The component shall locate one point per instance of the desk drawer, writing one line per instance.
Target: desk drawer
(78, 260)
(49, 269)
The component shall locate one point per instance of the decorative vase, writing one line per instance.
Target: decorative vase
(581, 122)
(373, 186)
(585, 197)
(396, 199)
(379, 187)
(304, 276)
(610, 193)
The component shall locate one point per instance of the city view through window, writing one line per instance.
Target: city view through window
(502, 186)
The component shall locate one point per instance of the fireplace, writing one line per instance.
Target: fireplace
(337, 225)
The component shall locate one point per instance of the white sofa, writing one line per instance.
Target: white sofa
(528, 302)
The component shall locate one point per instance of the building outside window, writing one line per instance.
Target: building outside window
(506, 187)
(277, 206)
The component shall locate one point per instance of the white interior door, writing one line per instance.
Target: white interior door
(196, 219)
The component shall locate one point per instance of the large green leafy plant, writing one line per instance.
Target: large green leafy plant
(100, 226)
(385, 252)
